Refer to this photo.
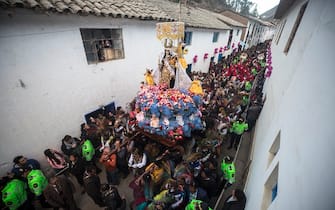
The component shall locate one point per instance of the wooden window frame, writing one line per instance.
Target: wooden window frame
(274, 148)
(215, 37)
(188, 37)
(280, 31)
(230, 38)
(102, 44)
(295, 27)
(268, 193)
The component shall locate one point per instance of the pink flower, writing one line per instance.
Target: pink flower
(195, 59)
(205, 55)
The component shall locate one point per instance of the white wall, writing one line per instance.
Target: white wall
(236, 38)
(201, 44)
(46, 53)
(261, 33)
(249, 35)
(268, 33)
(299, 103)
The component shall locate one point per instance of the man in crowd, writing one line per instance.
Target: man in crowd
(23, 164)
(92, 185)
(59, 193)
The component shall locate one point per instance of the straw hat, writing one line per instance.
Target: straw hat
(244, 56)
(260, 56)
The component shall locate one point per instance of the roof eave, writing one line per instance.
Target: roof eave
(195, 26)
(283, 6)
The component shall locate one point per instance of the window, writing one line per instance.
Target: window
(280, 31)
(295, 28)
(274, 148)
(188, 37)
(215, 36)
(274, 192)
(102, 44)
(237, 32)
(270, 188)
(230, 38)
(252, 32)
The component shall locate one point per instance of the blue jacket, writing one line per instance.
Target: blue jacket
(30, 165)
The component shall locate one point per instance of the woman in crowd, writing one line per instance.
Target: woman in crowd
(137, 161)
(109, 160)
(236, 201)
(70, 145)
(55, 159)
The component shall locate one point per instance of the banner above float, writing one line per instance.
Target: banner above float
(170, 30)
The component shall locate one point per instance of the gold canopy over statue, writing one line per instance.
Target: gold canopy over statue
(172, 65)
(170, 30)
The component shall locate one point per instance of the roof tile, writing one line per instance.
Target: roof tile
(32, 3)
(80, 3)
(89, 4)
(86, 10)
(46, 4)
(74, 8)
(98, 5)
(16, 2)
(60, 6)
(96, 11)
(143, 9)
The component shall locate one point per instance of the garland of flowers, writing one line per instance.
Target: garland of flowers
(269, 63)
(167, 112)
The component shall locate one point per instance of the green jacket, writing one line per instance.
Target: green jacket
(193, 204)
(248, 86)
(239, 128)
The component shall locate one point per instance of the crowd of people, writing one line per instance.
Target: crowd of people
(164, 177)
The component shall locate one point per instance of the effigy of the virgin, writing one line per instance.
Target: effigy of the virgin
(169, 102)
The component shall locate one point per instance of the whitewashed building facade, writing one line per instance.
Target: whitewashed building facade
(258, 31)
(292, 163)
(255, 30)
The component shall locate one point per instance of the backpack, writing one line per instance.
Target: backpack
(112, 160)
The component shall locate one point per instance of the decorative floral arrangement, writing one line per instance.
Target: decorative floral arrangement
(216, 50)
(168, 112)
(239, 70)
(269, 63)
(195, 59)
(205, 55)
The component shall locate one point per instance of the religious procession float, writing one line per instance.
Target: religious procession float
(167, 107)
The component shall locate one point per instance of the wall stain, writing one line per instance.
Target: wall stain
(22, 84)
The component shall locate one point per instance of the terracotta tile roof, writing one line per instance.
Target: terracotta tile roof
(160, 10)
(230, 21)
(263, 22)
(115, 8)
(244, 19)
(192, 16)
